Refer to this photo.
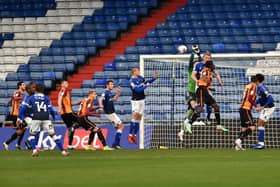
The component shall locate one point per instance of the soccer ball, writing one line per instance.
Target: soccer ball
(182, 49)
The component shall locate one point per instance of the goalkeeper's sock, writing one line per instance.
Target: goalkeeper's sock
(58, 143)
(118, 137)
(136, 126)
(131, 127)
(261, 135)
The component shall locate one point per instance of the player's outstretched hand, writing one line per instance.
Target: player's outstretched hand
(156, 75)
(119, 89)
(195, 49)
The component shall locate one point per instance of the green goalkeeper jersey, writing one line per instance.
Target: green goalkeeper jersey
(191, 82)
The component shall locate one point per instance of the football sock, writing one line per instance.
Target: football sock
(218, 117)
(118, 137)
(20, 138)
(58, 143)
(136, 126)
(194, 117)
(12, 138)
(131, 127)
(90, 138)
(261, 135)
(209, 111)
(101, 137)
(71, 132)
(244, 134)
(32, 142)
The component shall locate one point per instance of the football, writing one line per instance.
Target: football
(182, 49)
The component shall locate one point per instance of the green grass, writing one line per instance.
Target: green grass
(160, 168)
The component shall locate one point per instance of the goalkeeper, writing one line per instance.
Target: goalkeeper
(191, 82)
(186, 126)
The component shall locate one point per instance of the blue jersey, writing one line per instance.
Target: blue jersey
(108, 102)
(40, 106)
(198, 68)
(264, 98)
(27, 112)
(138, 85)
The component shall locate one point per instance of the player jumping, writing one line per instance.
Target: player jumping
(198, 67)
(137, 84)
(204, 97)
(106, 102)
(247, 122)
(266, 108)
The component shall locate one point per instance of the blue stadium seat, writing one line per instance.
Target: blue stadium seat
(49, 75)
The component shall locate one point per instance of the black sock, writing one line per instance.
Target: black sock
(101, 137)
(218, 117)
(20, 138)
(12, 138)
(90, 138)
(71, 132)
(194, 117)
(244, 134)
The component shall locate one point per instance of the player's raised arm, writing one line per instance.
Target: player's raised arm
(218, 77)
(116, 97)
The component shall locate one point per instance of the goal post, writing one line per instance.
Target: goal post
(165, 103)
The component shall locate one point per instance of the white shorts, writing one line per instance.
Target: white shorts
(28, 121)
(36, 126)
(114, 118)
(138, 106)
(266, 113)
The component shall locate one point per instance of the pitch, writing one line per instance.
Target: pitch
(187, 167)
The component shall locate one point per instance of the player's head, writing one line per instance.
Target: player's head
(110, 84)
(21, 85)
(135, 71)
(254, 79)
(260, 78)
(191, 103)
(207, 56)
(39, 88)
(64, 84)
(209, 64)
(32, 86)
(92, 94)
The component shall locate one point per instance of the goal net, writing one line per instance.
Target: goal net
(165, 103)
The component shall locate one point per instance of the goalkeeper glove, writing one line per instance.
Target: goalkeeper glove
(195, 49)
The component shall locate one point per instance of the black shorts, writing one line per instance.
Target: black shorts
(204, 97)
(86, 123)
(69, 119)
(12, 118)
(246, 118)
